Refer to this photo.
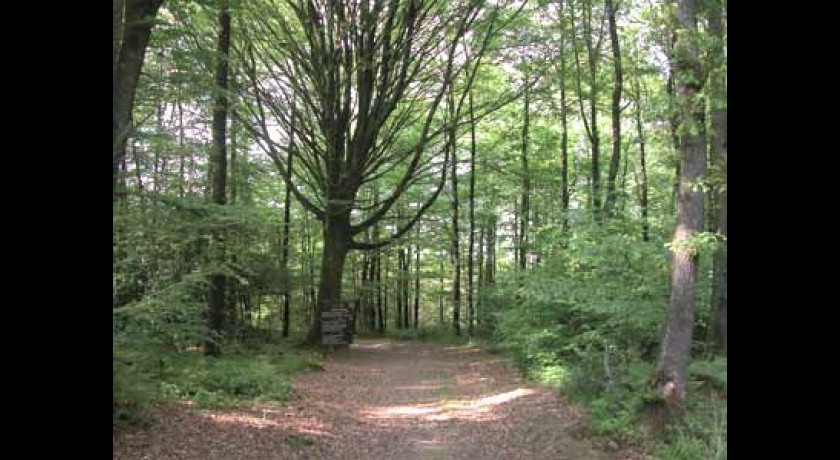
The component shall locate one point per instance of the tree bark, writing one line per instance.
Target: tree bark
(400, 288)
(643, 192)
(133, 22)
(380, 325)
(405, 277)
(719, 160)
(564, 141)
(441, 293)
(336, 235)
(590, 125)
(287, 288)
(385, 290)
(471, 250)
(524, 211)
(615, 160)
(219, 164)
(480, 264)
(456, 252)
(181, 151)
(670, 89)
(676, 345)
(417, 285)
(406, 280)
(491, 250)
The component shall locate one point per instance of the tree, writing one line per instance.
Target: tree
(609, 204)
(132, 26)
(416, 321)
(287, 208)
(525, 206)
(593, 49)
(719, 159)
(368, 79)
(564, 138)
(471, 244)
(219, 174)
(455, 250)
(676, 344)
(643, 179)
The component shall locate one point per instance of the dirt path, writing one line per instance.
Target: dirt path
(395, 401)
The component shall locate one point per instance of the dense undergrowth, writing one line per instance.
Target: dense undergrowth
(157, 337)
(588, 322)
(245, 373)
(159, 322)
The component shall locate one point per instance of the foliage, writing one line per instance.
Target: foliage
(587, 319)
(443, 335)
(143, 376)
(588, 322)
(589, 298)
(702, 435)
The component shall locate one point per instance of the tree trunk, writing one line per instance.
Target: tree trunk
(138, 174)
(516, 241)
(643, 193)
(365, 313)
(234, 161)
(480, 264)
(385, 290)
(440, 293)
(287, 289)
(719, 158)
(372, 289)
(181, 152)
(133, 21)
(417, 285)
(380, 318)
(615, 160)
(526, 185)
(219, 163)
(456, 252)
(591, 125)
(491, 250)
(670, 89)
(564, 141)
(406, 282)
(471, 249)
(309, 257)
(676, 345)
(621, 195)
(119, 9)
(400, 288)
(336, 245)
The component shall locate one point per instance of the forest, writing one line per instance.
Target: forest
(539, 180)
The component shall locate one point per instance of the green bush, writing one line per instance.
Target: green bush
(702, 435)
(237, 377)
(588, 321)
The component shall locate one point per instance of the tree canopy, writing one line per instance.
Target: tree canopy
(548, 177)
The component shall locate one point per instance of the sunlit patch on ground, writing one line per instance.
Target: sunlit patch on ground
(371, 346)
(403, 401)
(420, 387)
(475, 409)
(400, 411)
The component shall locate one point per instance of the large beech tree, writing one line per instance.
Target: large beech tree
(367, 79)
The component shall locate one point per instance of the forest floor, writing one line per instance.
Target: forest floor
(383, 400)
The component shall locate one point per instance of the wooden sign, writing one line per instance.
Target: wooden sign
(335, 327)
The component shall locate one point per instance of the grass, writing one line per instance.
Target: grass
(701, 435)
